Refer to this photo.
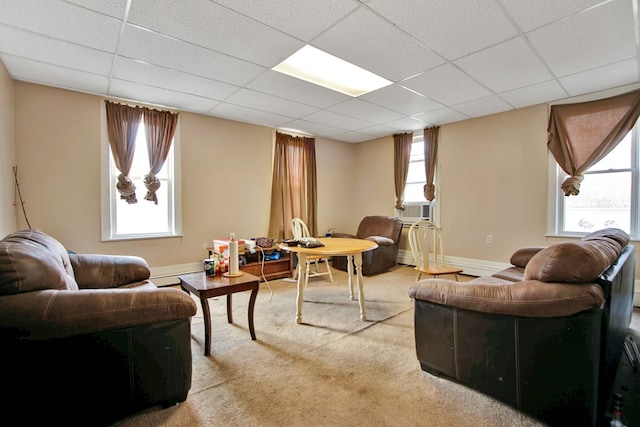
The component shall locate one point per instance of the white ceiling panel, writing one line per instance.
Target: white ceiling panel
(447, 85)
(270, 103)
(148, 46)
(506, 66)
(596, 37)
(534, 94)
(292, 16)
(451, 28)
(152, 75)
(367, 32)
(53, 75)
(213, 26)
(285, 86)
(448, 60)
(61, 20)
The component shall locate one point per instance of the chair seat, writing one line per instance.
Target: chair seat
(437, 271)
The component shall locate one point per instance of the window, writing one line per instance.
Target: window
(608, 194)
(144, 219)
(416, 207)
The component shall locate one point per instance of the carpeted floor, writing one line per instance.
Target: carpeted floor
(332, 370)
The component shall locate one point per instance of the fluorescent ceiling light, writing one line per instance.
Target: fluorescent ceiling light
(315, 66)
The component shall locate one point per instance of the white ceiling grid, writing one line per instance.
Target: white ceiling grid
(449, 60)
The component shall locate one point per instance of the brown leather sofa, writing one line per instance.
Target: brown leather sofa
(87, 339)
(385, 231)
(544, 336)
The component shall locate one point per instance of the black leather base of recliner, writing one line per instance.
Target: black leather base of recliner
(96, 379)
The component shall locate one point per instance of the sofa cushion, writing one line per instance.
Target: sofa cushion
(522, 256)
(31, 260)
(579, 261)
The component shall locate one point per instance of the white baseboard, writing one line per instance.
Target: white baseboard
(477, 267)
(168, 275)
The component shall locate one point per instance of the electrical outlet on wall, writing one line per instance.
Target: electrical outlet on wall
(232, 236)
(489, 238)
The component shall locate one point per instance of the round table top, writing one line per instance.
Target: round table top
(334, 246)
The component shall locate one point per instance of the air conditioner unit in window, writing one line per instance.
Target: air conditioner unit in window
(416, 212)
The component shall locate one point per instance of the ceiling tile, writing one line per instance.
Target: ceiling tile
(62, 20)
(451, 28)
(26, 44)
(53, 75)
(448, 85)
(273, 104)
(619, 74)
(114, 8)
(216, 27)
(249, 115)
(365, 110)
(591, 39)
(483, 106)
(506, 66)
(534, 14)
(288, 87)
(534, 94)
(168, 52)
(367, 32)
(353, 137)
(407, 124)
(160, 97)
(292, 16)
(442, 116)
(312, 128)
(398, 98)
(152, 75)
(337, 120)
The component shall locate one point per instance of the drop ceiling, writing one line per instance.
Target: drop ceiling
(449, 60)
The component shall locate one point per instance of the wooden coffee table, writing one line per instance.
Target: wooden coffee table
(206, 287)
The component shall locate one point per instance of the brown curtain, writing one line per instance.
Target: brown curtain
(582, 134)
(401, 157)
(122, 128)
(294, 185)
(159, 126)
(430, 153)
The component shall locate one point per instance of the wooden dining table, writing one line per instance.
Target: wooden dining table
(351, 248)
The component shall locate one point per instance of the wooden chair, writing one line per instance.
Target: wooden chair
(425, 240)
(300, 230)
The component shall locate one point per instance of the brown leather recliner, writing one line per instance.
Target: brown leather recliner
(385, 231)
(87, 339)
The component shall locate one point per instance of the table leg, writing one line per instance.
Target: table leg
(360, 281)
(252, 303)
(207, 325)
(229, 309)
(350, 276)
(302, 279)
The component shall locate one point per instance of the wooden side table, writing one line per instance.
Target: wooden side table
(206, 287)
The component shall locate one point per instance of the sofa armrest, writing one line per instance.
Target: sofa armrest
(108, 271)
(381, 240)
(61, 313)
(344, 235)
(530, 298)
(521, 257)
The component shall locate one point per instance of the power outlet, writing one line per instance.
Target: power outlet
(232, 236)
(489, 238)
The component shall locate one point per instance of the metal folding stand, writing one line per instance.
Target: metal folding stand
(631, 349)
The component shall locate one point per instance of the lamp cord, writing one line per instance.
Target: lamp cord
(17, 185)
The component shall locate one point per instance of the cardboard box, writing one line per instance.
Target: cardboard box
(220, 245)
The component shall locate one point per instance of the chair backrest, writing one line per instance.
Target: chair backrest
(299, 229)
(425, 241)
(377, 225)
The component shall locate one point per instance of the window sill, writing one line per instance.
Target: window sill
(141, 237)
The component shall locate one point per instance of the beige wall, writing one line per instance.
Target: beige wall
(226, 177)
(7, 154)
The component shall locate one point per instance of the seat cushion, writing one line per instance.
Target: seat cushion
(31, 260)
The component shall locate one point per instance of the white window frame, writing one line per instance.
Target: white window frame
(556, 197)
(110, 196)
(418, 137)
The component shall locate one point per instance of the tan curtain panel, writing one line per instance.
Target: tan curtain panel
(294, 185)
(582, 134)
(122, 128)
(401, 157)
(160, 127)
(430, 154)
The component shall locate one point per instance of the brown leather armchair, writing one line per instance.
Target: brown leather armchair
(385, 231)
(87, 339)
